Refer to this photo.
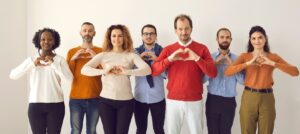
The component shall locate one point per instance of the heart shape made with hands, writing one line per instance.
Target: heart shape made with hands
(259, 60)
(185, 54)
(115, 70)
(85, 54)
(45, 62)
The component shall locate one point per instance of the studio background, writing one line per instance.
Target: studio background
(20, 19)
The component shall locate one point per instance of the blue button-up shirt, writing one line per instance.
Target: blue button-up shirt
(143, 93)
(223, 85)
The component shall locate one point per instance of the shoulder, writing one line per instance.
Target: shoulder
(74, 49)
(97, 49)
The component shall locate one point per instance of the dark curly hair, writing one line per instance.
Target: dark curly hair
(260, 29)
(37, 38)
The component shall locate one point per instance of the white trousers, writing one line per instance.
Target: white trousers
(177, 111)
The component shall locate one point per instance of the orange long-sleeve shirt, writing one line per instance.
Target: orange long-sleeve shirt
(260, 76)
(83, 87)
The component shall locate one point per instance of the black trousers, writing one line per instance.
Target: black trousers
(116, 115)
(46, 117)
(220, 113)
(158, 116)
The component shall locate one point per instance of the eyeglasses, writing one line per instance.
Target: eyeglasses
(149, 34)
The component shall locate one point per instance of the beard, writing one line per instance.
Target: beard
(87, 38)
(224, 45)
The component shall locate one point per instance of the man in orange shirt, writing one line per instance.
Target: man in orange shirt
(85, 90)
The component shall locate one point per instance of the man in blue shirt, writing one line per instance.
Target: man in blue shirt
(149, 91)
(220, 103)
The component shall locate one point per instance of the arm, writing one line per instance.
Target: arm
(161, 63)
(142, 67)
(70, 62)
(22, 69)
(90, 68)
(62, 69)
(207, 65)
(285, 67)
(236, 66)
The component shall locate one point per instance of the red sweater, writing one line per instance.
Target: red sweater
(185, 77)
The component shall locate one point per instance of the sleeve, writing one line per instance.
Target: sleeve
(240, 77)
(285, 67)
(207, 65)
(91, 68)
(22, 69)
(142, 67)
(62, 69)
(161, 63)
(70, 62)
(237, 66)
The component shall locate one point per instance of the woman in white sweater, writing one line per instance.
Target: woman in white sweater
(117, 61)
(46, 69)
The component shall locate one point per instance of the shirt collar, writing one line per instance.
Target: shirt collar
(186, 44)
(152, 49)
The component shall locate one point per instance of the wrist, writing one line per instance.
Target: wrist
(198, 58)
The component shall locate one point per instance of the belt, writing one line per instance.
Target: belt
(264, 90)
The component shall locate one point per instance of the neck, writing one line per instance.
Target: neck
(87, 45)
(184, 42)
(149, 46)
(117, 49)
(46, 53)
(224, 52)
(258, 51)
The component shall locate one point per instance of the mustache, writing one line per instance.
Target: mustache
(224, 45)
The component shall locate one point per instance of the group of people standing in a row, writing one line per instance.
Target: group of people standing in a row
(101, 85)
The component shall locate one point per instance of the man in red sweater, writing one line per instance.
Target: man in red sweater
(186, 62)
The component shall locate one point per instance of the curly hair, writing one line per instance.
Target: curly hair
(128, 43)
(261, 30)
(37, 38)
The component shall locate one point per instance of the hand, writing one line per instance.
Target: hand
(229, 61)
(267, 61)
(77, 54)
(43, 61)
(117, 70)
(252, 61)
(191, 54)
(219, 59)
(151, 56)
(175, 55)
(91, 52)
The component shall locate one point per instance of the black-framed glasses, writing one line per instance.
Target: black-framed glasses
(149, 34)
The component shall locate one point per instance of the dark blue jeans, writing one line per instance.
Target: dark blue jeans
(158, 116)
(46, 118)
(81, 107)
(220, 113)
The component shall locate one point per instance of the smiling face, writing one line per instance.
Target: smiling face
(149, 36)
(117, 38)
(183, 30)
(87, 33)
(224, 39)
(258, 40)
(47, 41)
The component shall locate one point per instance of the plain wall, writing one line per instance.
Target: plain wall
(279, 18)
(13, 97)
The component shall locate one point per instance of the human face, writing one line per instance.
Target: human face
(224, 39)
(149, 36)
(46, 41)
(258, 40)
(87, 33)
(117, 38)
(183, 30)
